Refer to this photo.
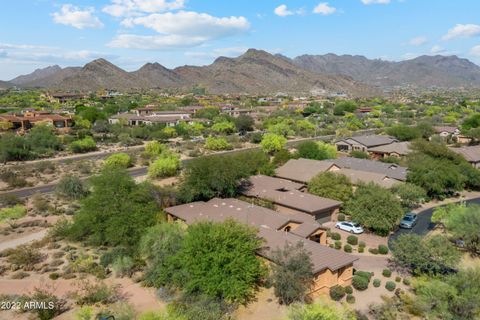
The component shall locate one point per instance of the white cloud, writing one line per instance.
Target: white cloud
(71, 15)
(475, 51)
(462, 31)
(123, 8)
(283, 11)
(189, 23)
(375, 1)
(324, 9)
(436, 49)
(418, 41)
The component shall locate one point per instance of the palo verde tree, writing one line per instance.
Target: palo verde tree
(331, 185)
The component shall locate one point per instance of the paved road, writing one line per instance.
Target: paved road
(424, 223)
(138, 172)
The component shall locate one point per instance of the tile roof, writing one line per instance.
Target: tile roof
(372, 140)
(358, 177)
(470, 153)
(268, 222)
(302, 170)
(286, 193)
(401, 148)
(391, 170)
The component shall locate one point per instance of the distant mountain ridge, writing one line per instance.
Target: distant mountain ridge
(259, 72)
(424, 71)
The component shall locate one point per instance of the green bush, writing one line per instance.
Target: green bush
(16, 212)
(377, 283)
(350, 299)
(386, 273)
(365, 274)
(362, 244)
(406, 281)
(373, 250)
(382, 249)
(123, 266)
(109, 257)
(398, 279)
(337, 292)
(390, 285)
(341, 217)
(353, 240)
(71, 187)
(83, 145)
(220, 143)
(361, 249)
(348, 290)
(54, 276)
(347, 248)
(338, 245)
(360, 283)
(336, 236)
(121, 160)
(166, 166)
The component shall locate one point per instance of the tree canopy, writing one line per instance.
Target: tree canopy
(375, 208)
(116, 212)
(331, 185)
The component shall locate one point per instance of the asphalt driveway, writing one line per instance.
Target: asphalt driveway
(424, 223)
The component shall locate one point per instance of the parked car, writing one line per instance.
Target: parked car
(408, 221)
(349, 226)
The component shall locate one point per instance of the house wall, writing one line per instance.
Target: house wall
(326, 279)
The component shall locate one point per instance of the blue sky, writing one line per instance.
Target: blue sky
(39, 33)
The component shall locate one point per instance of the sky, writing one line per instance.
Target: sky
(38, 33)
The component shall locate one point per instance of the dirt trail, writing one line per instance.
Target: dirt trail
(23, 240)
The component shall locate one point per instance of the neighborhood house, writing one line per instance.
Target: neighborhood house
(331, 267)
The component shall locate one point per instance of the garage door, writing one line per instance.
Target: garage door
(322, 217)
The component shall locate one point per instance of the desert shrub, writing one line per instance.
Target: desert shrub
(56, 263)
(382, 249)
(359, 154)
(86, 264)
(341, 217)
(353, 240)
(25, 257)
(337, 292)
(20, 275)
(60, 229)
(109, 257)
(90, 293)
(377, 283)
(338, 245)
(373, 250)
(336, 236)
(362, 244)
(347, 248)
(361, 249)
(398, 279)
(83, 145)
(54, 276)
(121, 160)
(220, 143)
(386, 273)
(348, 290)
(165, 166)
(195, 307)
(47, 297)
(123, 266)
(71, 187)
(9, 214)
(40, 204)
(360, 283)
(390, 285)
(350, 299)
(406, 281)
(119, 310)
(365, 274)
(84, 313)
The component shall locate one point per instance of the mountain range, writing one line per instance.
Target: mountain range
(259, 72)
